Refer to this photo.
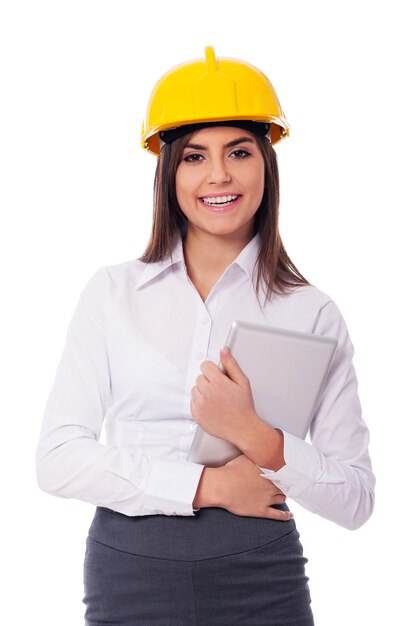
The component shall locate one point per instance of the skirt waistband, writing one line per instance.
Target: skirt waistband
(210, 533)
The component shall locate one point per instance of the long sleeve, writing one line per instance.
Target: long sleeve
(333, 475)
(70, 460)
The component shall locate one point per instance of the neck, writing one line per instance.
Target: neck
(207, 256)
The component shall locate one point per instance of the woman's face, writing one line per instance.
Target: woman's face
(220, 181)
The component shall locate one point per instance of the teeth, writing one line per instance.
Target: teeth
(219, 199)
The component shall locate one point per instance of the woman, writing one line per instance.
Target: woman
(173, 542)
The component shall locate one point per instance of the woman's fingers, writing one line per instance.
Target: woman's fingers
(280, 497)
(283, 516)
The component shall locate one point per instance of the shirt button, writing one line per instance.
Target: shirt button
(199, 356)
(193, 426)
(205, 320)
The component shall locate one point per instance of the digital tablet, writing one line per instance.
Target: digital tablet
(287, 371)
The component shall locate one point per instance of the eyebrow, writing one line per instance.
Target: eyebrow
(235, 142)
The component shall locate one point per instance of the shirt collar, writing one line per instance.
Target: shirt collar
(154, 269)
(245, 260)
(248, 256)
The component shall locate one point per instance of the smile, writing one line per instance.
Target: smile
(220, 203)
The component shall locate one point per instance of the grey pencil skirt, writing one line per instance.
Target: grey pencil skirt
(211, 569)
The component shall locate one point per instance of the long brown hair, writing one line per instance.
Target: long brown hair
(274, 266)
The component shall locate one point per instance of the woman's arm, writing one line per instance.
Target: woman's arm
(333, 475)
(70, 460)
(239, 488)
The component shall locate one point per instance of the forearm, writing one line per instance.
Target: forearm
(239, 488)
(339, 490)
(208, 492)
(131, 483)
(262, 444)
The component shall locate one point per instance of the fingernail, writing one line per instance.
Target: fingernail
(290, 515)
(225, 350)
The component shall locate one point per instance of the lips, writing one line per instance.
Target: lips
(220, 207)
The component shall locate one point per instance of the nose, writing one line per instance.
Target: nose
(218, 172)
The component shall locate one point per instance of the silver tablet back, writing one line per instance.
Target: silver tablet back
(287, 370)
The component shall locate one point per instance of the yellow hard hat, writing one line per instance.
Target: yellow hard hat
(209, 90)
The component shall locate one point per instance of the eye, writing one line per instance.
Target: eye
(241, 153)
(192, 158)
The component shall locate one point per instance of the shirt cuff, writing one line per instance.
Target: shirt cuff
(303, 466)
(170, 487)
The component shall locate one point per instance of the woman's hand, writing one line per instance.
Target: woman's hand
(249, 494)
(223, 404)
(239, 488)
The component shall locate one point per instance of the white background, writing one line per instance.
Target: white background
(76, 194)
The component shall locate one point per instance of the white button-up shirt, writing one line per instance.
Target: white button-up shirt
(132, 355)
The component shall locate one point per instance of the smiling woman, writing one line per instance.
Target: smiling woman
(213, 170)
(173, 542)
(228, 161)
(219, 189)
